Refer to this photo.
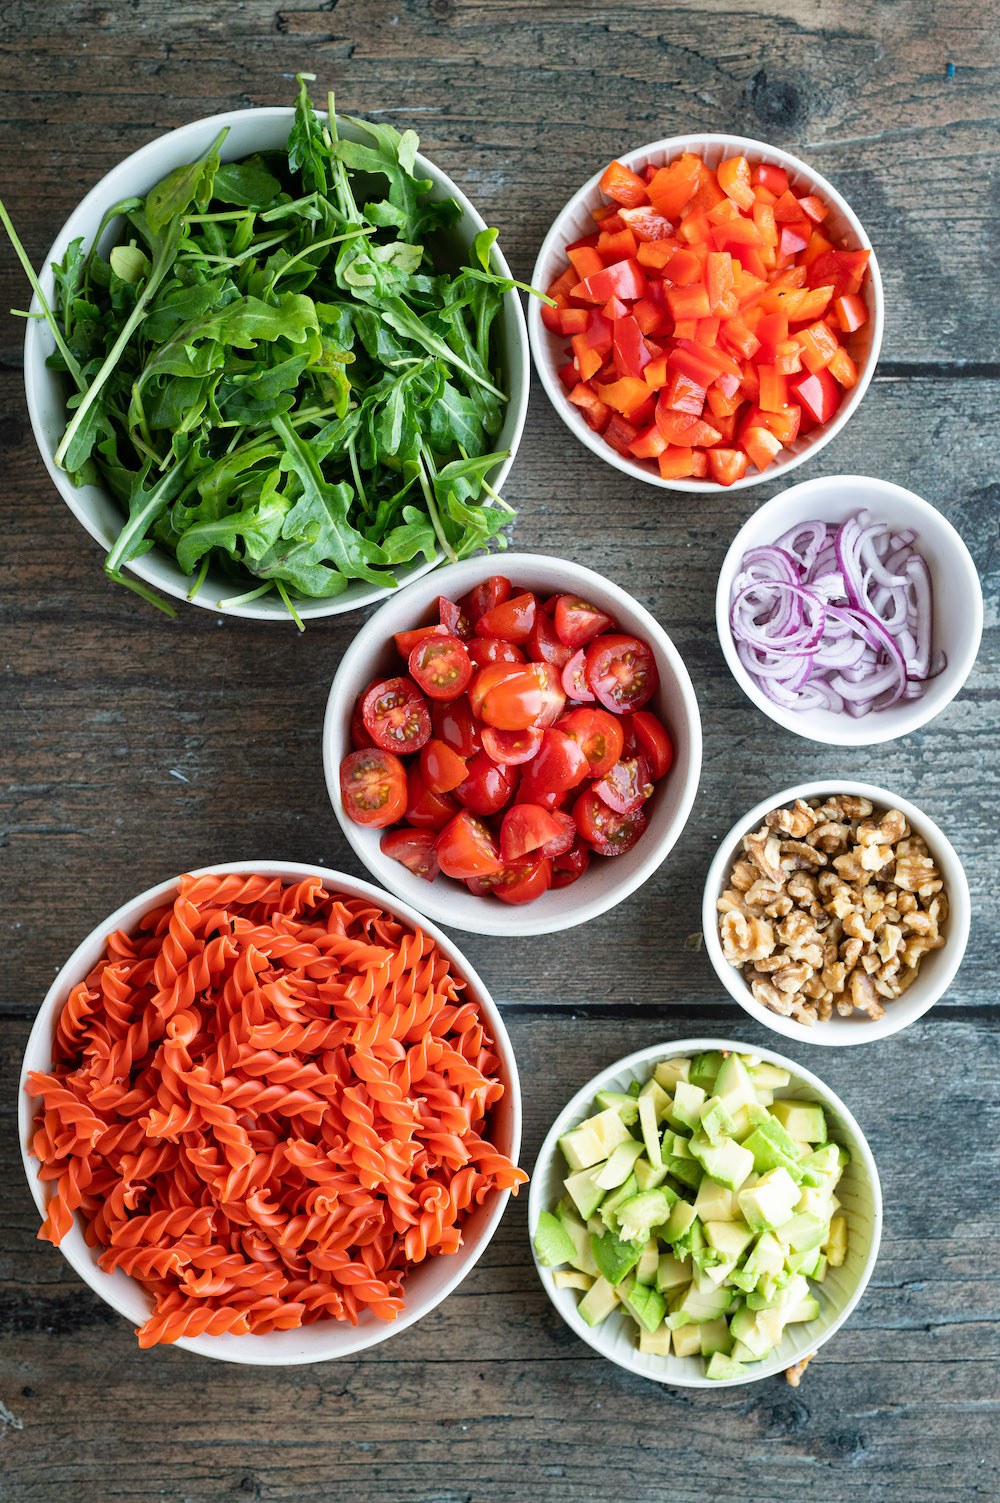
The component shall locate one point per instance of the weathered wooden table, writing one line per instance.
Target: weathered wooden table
(135, 748)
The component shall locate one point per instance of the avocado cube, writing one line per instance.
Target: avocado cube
(721, 1367)
(678, 1223)
(804, 1262)
(803, 1232)
(726, 1162)
(816, 1202)
(647, 1305)
(835, 1246)
(669, 1071)
(581, 1147)
(705, 1068)
(745, 1326)
(772, 1076)
(619, 1166)
(649, 1262)
(767, 1154)
(691, 1241)
(698, 1305)
(583, 1258)
(730, 1238)
(626, 1106)
(715, 1121)
(715, 1336)
(802, 1119)
(646, 1176)
(822, 1168)
(686, 1341)
(715, 1203)
(655, 1343)
(638, 1215)
(611, 1202)
(650, 1136)
(614, 1258)
(741, 1353)
(552, 1243)
(658, 1096)
(820, 1271)
(584, 1191)
(672, 1273)
(734, 1085)
(685, 1110)
(770, 1201)
(804, 1309)
(598, 1302)
(767, 1257)
(686, 1169)
(571, 1278)
(745, 1282)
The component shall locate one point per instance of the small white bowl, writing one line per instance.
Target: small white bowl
(607, 880)
(958, 601)
(937, 969)
(249, 131)
(576, 220)
(859, 1191)
(324, 1340)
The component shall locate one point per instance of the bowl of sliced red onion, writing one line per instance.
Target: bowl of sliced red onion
(849, 610)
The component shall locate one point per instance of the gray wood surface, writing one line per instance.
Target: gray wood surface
(134, 748)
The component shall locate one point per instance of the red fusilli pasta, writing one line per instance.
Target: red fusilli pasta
(267, 1105)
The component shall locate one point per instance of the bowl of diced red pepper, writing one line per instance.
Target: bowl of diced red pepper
(513, 744)
(715, 313)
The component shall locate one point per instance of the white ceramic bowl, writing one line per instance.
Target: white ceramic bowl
(958, 601)
(575, 220)
(937, 969)
(249, 131)
(429, 1283)
(859, 1191)
(607, 881)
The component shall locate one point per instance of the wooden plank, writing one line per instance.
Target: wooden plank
(491, 1396)
(140, 747)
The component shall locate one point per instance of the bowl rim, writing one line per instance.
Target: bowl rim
(34, 369)
(841, 1032)
(510, 921)
(865, 730)
(670, 146)
(583, 1098)
(238, 1349)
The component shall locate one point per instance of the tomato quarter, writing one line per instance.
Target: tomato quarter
(487, 785)
(609, 834)
(466, 848)
(425, 809)
(483, 597)
(654, 743)
(511, 621)
(577, 622)
(486, 650)
(544, 644)
(558, 765)
(525, 828)
(441, 768)
(574, 678)
(373, 787)
(625, 786)
(511, 748)
(396, 716)
(416, 849)
(456, 726)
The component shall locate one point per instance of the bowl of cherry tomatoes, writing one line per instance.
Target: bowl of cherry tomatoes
(512, 744)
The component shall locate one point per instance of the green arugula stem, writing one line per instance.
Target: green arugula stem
(316, 245)
(72, 364)
(432, 510)
(290, 607)
(264, 589)
(138, 524)
(202, 572)
(138, 588)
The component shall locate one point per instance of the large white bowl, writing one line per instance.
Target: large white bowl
(859, 1191)
(249, 131)
(607, 880)
(424, 1288)
(937, 969)
(958, 601)
(576, 220)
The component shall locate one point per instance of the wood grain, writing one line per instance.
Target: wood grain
(135, 748)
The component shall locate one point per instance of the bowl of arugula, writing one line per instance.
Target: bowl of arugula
(277, 369)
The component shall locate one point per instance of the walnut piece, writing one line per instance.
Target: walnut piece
(830, 908)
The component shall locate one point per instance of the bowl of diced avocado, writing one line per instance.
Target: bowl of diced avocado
(705, 1213)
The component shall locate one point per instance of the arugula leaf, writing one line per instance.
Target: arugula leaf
(183, 187)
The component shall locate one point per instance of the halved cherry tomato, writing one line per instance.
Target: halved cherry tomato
(360, 738)
(572, 864)
(441, 666)
(598, 735)
(654, 743)
(524, 881)
(407, 640)
(425, 809)
(487, 785)
(466, 848)
(558, 765)
(456, 726)
(506, 696)
(549, 681)
(511, 748)
(526, 827)
(563, 842)
(511, 621)
(621, 671)
(574, 678)
(453, 618)
(416, 849)
(396, 716)
(486, 650)
(626, 786)
(629, 744)
(373, 787)
(484, 596)
(544, 645)
(577, 622)
(609, 833)
(441, 768)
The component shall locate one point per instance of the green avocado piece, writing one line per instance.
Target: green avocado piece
(638, 1215)
(720, 1367)
(802, 1119)
(614, 1258)
(705, 1068)
(647, 1305)
(552, 1243)
(716, 1123)
(598, 1302)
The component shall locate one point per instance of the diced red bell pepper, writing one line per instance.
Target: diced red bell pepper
(630, 352)
(647, 223)
(550, 316)
(719, 277)
(771, 177)
(599, 331)
(812, 303)
(793, 238)
(649, 443)
(654, 254)
(851, 312)
(624, 395)
(563, 284)
(676, 462)
(843, 368)
(620, 434)
(788, 357)
(683, 269)
(814, 207)
(739, 338)
(597, 413)
(586, 260)
(642, 416)
(626, 279)
(734, 180)
(572, 320)
(569, 375)
(773, 388)
(617, 246)
(588, 360)
(763, 218)
(723, 404)
(683, 395)
(670, 188)
(818, 393)
(681, 428)
(623, 185)
(689, 302)
(819, 345)
(844, 270)
(761, 445)
(648, 315)
(614, 308)
(727, 465)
